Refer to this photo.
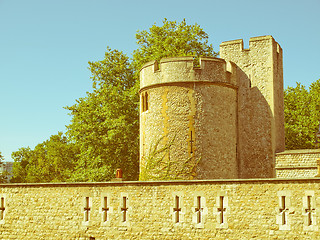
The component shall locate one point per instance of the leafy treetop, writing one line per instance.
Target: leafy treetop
(104, 131)
(172, 39)
(302, 115)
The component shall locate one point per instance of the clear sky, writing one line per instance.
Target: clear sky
(45, 47)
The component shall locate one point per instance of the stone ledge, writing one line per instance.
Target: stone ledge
(172, 182)
(237, 41)
(295, 167)
(299, 151)
(180, 83)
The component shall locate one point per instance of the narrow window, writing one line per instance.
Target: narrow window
(142, 102)
(309, 210)
(105, 209)
(283, 209)
(191, 142)
(221, 209)
(146, 102)
(2, 208)
(199, 209)
(86, 209)
(124, 209)
(177, 209)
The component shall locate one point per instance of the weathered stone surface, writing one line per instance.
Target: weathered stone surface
(297, 163)
(225, 120)
(225, 116)
(56, 211)
(260, 103)
(196, 109)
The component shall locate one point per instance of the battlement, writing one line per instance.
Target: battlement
(223, 111)
(254, 44)
(182, 69)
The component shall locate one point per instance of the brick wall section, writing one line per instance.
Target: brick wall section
(251, 209)
(297, 163)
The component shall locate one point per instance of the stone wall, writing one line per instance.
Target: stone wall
(260, 103)
(297, 163)
(202, 209)
(225, 112)
(193, 111)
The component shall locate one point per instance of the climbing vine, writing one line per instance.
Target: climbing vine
(160, 166)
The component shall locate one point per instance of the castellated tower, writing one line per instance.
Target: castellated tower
(260, 104)
(194, 110)
(223, 119)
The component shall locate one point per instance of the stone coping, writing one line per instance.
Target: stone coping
(252, 39)
(224, 84)
(180, 59)
(299, 151)
(295, 167)
(158, 183)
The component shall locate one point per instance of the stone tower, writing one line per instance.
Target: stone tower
(222, 119)
(260, 104)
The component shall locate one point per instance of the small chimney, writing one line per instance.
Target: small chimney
(119, 174)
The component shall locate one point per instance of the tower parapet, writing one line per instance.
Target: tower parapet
(182, 69)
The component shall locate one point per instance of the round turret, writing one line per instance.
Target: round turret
(188, 119)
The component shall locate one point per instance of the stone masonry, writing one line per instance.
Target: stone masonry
(221, 119)
(198, 209)
(219, 123)
(297, 163)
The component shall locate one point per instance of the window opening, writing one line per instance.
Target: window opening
(177, 209)
(191, 142)
(221, 210)
(105, 209)
(124, 209)
(146, 99)
(309, 210)
(145, 103)
(87, 209)
(2, 209)
(283, 209)
(199, 209)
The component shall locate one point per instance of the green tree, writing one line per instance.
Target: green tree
(21, 159)
(50, 161)
(4, 174)
(302, 115)
(104, 131)
(172, 39)
(105, 123)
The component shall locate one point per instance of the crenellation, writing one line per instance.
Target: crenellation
(182, 69)
(231, 106)
(235, 45)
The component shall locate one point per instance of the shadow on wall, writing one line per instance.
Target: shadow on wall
(255, 120)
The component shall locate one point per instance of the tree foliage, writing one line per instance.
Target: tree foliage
(104, 131)
(50, 161)
(302, 115)
(172, 39)
(105, 124)
(4, 174)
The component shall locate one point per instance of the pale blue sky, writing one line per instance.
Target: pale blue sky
(45, 47)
